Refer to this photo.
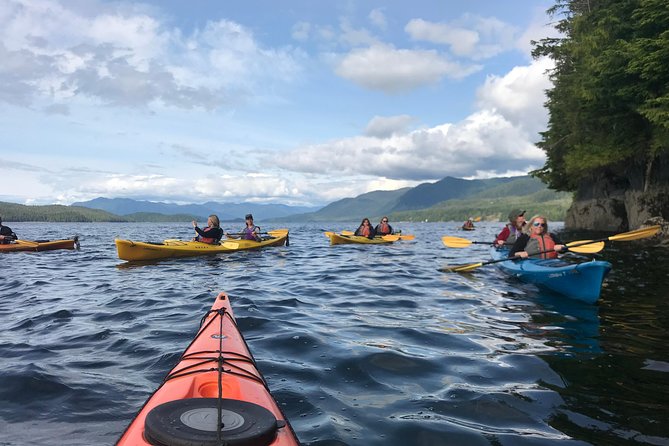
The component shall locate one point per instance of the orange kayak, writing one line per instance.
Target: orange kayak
(215, 395)
(39, 245)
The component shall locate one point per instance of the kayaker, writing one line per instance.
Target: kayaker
(212, 233)
(251, 231)
(383, 228)
(365, 229)
(469, 224)
(513, 229)
(537, 240)
(6, 234)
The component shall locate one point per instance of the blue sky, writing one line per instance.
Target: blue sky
(295, 102)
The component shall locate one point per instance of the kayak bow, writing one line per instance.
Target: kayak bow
(40, 245)
(215, 395)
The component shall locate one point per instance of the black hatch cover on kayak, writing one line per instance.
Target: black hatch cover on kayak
(193, 421)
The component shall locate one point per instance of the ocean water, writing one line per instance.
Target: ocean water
(360, 345)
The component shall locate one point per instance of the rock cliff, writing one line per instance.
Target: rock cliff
(623, 197)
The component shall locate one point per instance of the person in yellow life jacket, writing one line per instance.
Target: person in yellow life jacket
(365, 229)
(212, 233)
(6, 234)
(383, 228)
(538, 239)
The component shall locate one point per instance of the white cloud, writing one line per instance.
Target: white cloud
(120, 54)
(470, 36)
(385, 68)
(493, 141)
(378, 18)
(384, 126)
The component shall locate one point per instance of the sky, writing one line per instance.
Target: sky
(298, 102)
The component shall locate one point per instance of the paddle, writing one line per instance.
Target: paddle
(624, 237)
(580, 246)
(388, 238)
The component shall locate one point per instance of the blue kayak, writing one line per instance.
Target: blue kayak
(582, 281)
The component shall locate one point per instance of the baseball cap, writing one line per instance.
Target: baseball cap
(515, 214)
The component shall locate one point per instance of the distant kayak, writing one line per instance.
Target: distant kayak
(133, 251)
(40, 245)
(581, 281)
(340, 239)
(468, 228)
(214, 396)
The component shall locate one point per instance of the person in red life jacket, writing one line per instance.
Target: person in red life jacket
(383, 228)
(469, 224)
(537, 240)
(212, 233)
(6, 234)
(513, 229)
(365, 229)
(251, 231)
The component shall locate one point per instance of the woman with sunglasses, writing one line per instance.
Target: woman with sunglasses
(383, 228)
(365, 229)
(536, 240)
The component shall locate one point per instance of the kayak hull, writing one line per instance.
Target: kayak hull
(196, 381)
(135, 251)
(339, 239)
(28, 245)
(580, 281)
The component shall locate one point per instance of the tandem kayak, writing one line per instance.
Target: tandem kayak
(581, 281)
(130, 250)
(340, 239)
(215, 395)
(40, 245)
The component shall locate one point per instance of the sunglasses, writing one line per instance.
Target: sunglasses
(537, 224)
(384, 221)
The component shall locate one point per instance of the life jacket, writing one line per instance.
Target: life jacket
(538, 243)
(365, 231)
(249, 233)
(384, 229)
(209, 240)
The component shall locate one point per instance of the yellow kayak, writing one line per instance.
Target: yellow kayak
(340, 239)
(39, 245)
(130, 250)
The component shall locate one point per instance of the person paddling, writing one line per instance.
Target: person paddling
(212, 233)
(251, 231)
(365, 229)
(383, 228)
(6, 234)
(537, 240)
(513, 229)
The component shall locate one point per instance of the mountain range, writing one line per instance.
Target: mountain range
(444, 200)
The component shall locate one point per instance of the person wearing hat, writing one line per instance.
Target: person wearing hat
(513, 229)
(212, 233)
(251, 231)
(6, 234)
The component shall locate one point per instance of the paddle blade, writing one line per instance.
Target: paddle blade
(461, 268)
(347, 233)
(407, 237)
(278, 232)
(455, 242)
(637, 234)
(585, 247)
(390, 238)
(230, 245)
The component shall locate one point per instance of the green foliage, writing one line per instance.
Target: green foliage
(610, 102)
(54, 213)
